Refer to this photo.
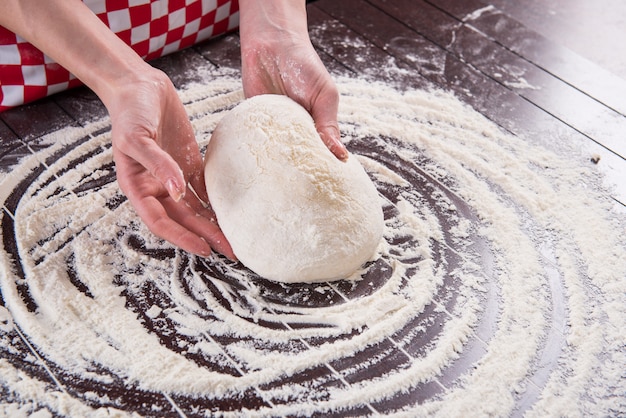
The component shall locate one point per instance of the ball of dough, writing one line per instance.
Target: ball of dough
(291, 211)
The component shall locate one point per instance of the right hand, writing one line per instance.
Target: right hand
(156, 156)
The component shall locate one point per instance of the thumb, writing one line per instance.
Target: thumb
(158, 162)
(324, 113)
(331, 138)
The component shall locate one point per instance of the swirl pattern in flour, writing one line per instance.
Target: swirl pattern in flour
(486, 295)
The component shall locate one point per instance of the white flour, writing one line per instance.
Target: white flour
(499, 286)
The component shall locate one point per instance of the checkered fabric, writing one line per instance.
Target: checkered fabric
(153, 28)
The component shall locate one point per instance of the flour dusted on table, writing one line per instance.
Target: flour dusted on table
(497, 288)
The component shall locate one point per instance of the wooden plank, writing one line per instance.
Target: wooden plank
(11, 153)
(585, 114)
(222, 51)
(6, 134)
(482, 93)
(81, 104)
(184, 67)
(358, 57)
(595, 33)
(37, 119)
(498, 103)
(12, 149)
(564, 64)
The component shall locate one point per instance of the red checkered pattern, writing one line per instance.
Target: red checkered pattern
(153, 28)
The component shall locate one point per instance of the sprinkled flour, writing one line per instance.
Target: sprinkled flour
(499, 287)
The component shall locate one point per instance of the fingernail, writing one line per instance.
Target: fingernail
(174, 190)
(335, 146)
(225, 250)
(340, 151)
(205, 252)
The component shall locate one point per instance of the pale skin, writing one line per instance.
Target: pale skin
(156, 154)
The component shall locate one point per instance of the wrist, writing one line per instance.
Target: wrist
(73, 36)
(118, 81)
(283, 20)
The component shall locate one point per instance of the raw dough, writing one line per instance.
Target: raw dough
(291, 211)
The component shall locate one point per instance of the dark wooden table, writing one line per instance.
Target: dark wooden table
(525, 81)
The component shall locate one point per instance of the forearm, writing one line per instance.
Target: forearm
(72, 35)
(284, 18)
(271, 32)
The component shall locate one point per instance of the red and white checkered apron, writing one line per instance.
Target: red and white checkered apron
(153, 28)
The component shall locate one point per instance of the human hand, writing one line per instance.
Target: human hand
(154, 148)
(156, 156)
(278, 58)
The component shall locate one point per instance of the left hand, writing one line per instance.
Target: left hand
(278, 58)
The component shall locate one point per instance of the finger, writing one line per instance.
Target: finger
(155, 217)
(198, 184)
(324, 113)
(331, 138)
(200, 221)
(160, 164)
(214, 236)
(180, 142)
(147, 197)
